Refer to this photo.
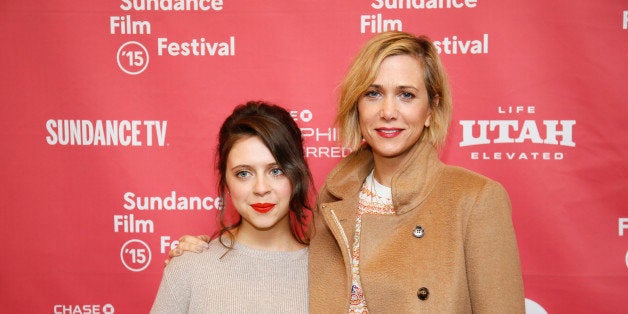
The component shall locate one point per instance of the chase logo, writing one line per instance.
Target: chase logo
(83, 309)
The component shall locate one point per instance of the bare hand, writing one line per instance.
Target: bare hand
(191, 244)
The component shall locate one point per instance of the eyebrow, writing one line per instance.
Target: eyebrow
(271, 165)
(239, 166)
(400, 87)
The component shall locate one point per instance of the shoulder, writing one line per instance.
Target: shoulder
(190, 263)
(184, 276)
(465, 179)
(346, 177)
(472, 191)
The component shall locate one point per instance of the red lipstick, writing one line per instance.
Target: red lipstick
(388, 132)
(262, 208)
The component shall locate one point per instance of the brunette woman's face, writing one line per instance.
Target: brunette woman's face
(395, 108)
(259, 189)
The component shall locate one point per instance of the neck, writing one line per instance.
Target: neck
(385, 168)
(277, 238)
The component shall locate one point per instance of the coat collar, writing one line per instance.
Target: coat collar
(410, 185)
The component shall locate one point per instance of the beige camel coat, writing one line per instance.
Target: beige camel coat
(465, 261)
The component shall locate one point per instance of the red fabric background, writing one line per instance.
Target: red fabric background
(559, 60)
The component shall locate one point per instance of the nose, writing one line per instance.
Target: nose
(388, 109)
(261, 186)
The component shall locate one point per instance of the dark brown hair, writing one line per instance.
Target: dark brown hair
(281, 135)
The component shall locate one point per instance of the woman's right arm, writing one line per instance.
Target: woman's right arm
(173, 295)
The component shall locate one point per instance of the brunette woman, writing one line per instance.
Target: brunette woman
(257, 263)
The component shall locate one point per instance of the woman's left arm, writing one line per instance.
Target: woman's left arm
(491, 254)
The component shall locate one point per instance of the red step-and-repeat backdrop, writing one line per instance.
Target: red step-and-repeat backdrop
(110, 111)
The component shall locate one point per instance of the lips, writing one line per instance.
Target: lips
(388, 132)
(262, 207)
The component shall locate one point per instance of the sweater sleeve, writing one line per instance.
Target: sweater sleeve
(492, 257)
(174, 291)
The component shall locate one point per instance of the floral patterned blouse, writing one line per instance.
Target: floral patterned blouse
(374, 199)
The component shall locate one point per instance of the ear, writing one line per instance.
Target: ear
(434, 104)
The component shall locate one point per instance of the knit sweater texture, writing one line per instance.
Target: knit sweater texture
(244, 280)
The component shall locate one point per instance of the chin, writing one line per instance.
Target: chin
(264, 225)
(389, 153)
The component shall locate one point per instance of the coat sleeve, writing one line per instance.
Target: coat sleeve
(491, 254)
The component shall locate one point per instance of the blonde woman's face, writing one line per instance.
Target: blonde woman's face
(394, 110)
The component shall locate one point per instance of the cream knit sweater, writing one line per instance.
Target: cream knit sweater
(244, 280)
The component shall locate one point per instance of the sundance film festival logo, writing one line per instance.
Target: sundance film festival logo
(487, 133)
